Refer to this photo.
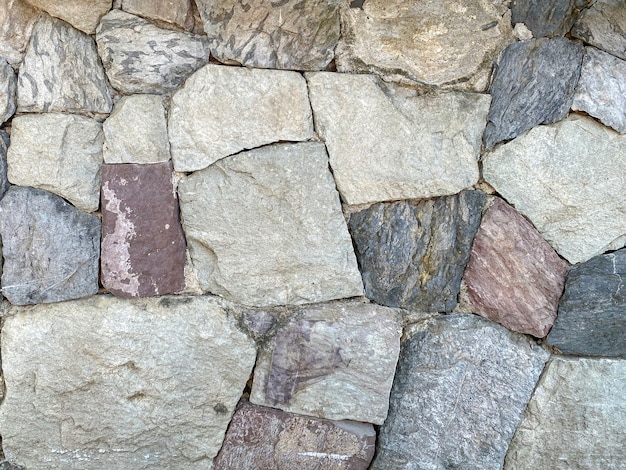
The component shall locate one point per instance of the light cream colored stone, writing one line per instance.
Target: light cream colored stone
(82, 14)
(17, 19)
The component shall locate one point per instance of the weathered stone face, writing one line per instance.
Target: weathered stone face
(17, 19)
(547, 18)
(176, 12)
(81, 14)
(89, 382)
(334, 361)
(603, 25)
(4, 145)
(8, 87)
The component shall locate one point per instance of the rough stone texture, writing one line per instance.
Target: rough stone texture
(391, 143)
(412, 254)
(51, 249)
(223, 110)
(568, 179)
(576, 418)
(175, 12)
(604, 25)
(592, 312)
(513, 276)
(534, 84)
(17, 19)
(81, 14)
(108, 383)
(60, 153)
(601, 90)
(277, 209)
(140, 57)
(8, 87)
(419, 41)
(265, 438)
(334, 361)
(547, 18)
(290, 34)
(136, 131)
(461, 387)
(143, 245)
(4, 145)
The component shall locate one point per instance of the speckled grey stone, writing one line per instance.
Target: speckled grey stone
(8, 88)
(547, 18)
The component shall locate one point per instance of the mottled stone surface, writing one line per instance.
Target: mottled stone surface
(601, 90)
(60, 153)
(108, 383)
(513, 276)
(50, 249)
(223, 110)
(333, 361)
(17, 19)
(265, 438)
(143, 245)
(419, 41)
(4, 145)
(276, 208)
(576, 418)
(81, 14)
(175, 12)
(547, 18)
(461, 387)
(61, 72)
(568, 179)
(592, 312)
(412, 253)
(140, 57)
(8, 88)
(604, 25)
(534, 84)
(290, 34)
(136, 131)
(391, 143)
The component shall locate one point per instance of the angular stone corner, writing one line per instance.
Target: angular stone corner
(568, 179)
(81, 14)
(603, 25)
(61, 153)
(577, 415)
(17, 20)
(223, 110)
(51, 249)
(334, 361)
(266, 438)
(547, 18)
(179, 13)
(413, 254)
(391, 143)
(275, 208)
(107, 383)
(8, 89)
(460, 389)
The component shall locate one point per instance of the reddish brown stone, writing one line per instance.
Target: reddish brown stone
(143, 246)
(513, 276)
(265, 438)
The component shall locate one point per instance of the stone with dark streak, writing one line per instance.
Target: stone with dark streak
(547, 18)
(8, 88)
(4, 145)
(603, 25)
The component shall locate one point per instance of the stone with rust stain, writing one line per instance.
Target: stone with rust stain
(143, 246)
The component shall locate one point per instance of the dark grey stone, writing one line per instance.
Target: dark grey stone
(592, 313)
(547, 18)
(9, 466)
(534, 84)
(603, 25)
(413, 254)
(8, 89)
(4, 146)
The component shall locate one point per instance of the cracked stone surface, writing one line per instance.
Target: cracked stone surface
(81, 14)
(603, 25)
(177, 12)
(17, 20)
(8, 88)
(547, 18)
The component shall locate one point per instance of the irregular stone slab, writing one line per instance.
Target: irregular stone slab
(534, 84)
(289, 34)
(136, 131)
(17, 19)
(592, 312)
(51, 249)
(604, 25)
(82, 14)
(412, 253)
(140, 57)
(4, 145)
(461, 387)
(576, 417)
(60, 153)
(547, 18)
(143, 245)
(567, 178)
(175, 12)
(223, 110)
(393, 144)
(334, 361)
(8, 88)
(286, 193)
(600, 91)
(260, 437)
(418, 41)
(108, 383)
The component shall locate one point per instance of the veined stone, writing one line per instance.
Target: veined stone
(60, 153)
(8, 87)
(4, 145)
(175, 12)
(136, 131)
(391, 143)
(223, 110)
(140, 57)
(108, 383)
(82, 14)
(460, 389)
(547, 18)
(17, 19)
(265, 227)
(334, 361)
(568, 179)
(604, 25)
(576, 418)
(289, 34)
(51, 249)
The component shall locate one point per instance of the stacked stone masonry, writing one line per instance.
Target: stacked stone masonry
(332, 234)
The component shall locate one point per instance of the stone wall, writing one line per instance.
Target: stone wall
(382, 234)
